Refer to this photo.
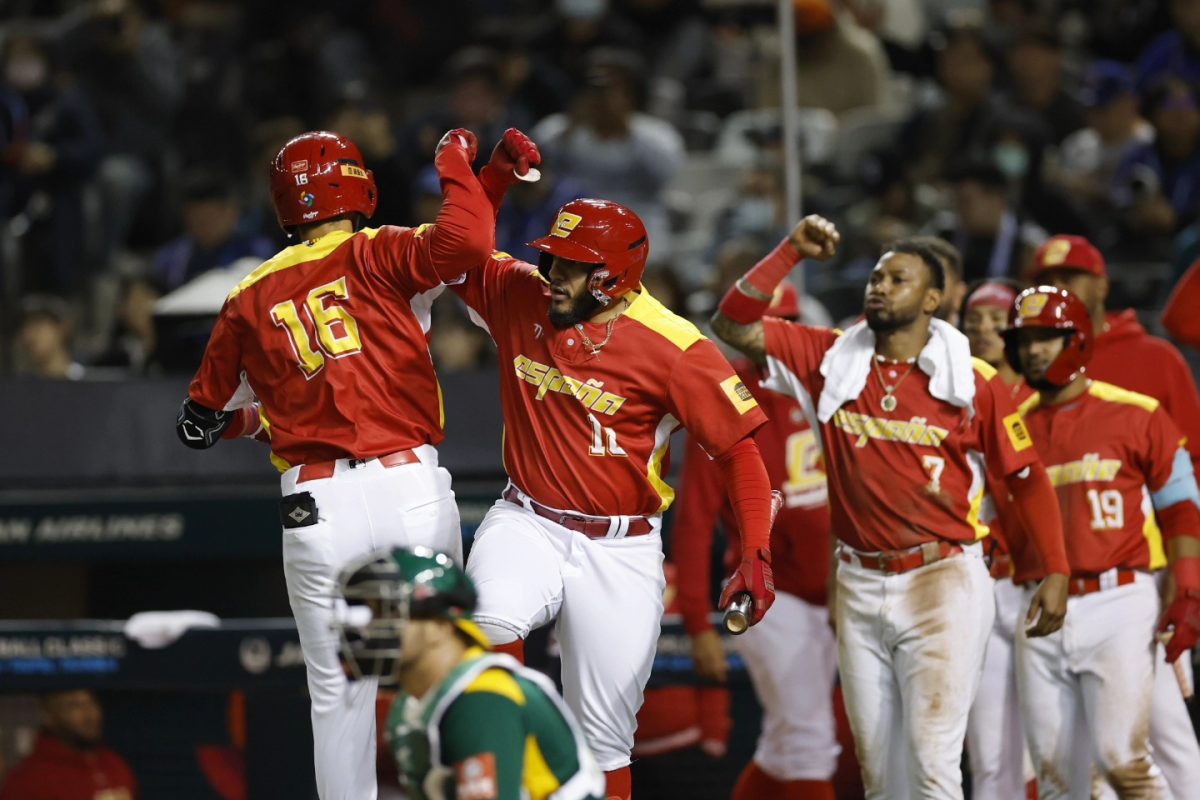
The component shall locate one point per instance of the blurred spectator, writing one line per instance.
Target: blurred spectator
(476, 99)
(132, 343)
(1035, 63)
(529, 210)
(1175, 52)
(1089, 157)
(427, 197)
(985, 226)
(934, 138)
(44, 340)
(759, 211)
(212, 236)
(679, 47)
(46, 165)
(662, 281)
(613, 149)
(129, 66)
(68, 761)
(1157, 185)
(369, 125)
(839, 65)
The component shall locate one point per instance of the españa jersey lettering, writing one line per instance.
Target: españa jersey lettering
(491, 729)
(912, 475)
(330, 336)
(592, 433)
(1105, 452)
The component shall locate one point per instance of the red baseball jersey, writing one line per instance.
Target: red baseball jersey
(912, 475)
(800, 539)
(592, 433)
(1105, 453)
(1003, 523)
(57, 771)
(1131, 358)
(329, 335)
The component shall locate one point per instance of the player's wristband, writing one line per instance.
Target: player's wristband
(748, 299)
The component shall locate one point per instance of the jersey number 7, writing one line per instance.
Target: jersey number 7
(336, 331)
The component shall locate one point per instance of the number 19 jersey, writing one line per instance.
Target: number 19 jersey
(591, 432)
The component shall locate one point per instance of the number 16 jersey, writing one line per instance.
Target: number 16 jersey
(591, 432)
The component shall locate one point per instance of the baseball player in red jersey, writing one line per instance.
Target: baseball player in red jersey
(1179, 316)
(907, 421)
(327, 339)
(1129, 502)
(596, 375)
(791, 656)
(1127, 356)
(995, 736)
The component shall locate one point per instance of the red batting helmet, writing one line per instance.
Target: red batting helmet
(603, 233)
(320, 175)
(1057, 309)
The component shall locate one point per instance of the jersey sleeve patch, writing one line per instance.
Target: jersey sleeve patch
(739, 394)
(1018, 434)
(475, 778)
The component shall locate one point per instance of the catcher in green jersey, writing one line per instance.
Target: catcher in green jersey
(468, 724)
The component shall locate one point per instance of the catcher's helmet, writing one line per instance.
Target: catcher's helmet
(603, 233)
(1056, 309)
(319, 175)
(383, 591)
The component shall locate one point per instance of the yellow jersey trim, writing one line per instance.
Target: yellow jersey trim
(654, 475)
(660, 319)
(276, 461)
(296, 255)
(1029, 403)
(538, 779)
(1115, 394)
(981, 530)
(497, 681)
(983, 368)
(1153, 536)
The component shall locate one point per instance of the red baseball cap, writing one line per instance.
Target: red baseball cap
(785, 302)
(1068, 252)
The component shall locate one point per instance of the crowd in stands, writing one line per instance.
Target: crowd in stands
(135, 137)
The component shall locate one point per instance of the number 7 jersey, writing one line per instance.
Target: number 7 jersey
(591, 433)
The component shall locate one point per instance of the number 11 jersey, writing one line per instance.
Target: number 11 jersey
(588, 432)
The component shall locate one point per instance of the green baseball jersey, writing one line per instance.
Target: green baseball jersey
(491, 730)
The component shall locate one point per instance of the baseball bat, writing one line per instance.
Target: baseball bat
(1181, 676)
(741, 608)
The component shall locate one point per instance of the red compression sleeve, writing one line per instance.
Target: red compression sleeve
(745, 308)
(749, 491)
(464, 233)
(1036, 505)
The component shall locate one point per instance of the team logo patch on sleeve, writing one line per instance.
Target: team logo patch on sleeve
(476, 778)
(738, 394)
(1018, 434)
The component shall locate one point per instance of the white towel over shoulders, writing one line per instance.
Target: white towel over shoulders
(946, 359)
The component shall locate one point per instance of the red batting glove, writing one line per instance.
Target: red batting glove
(754, 577)
(460, 138)
(1183, 615)
(513, 155)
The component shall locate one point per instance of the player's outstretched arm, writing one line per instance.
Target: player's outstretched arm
(738, 321)
(464, 233)
(754, 507)
(1036, 504)
(514, 159)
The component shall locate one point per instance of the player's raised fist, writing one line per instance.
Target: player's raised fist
(460, 138)
(815, 237)
(515, 154)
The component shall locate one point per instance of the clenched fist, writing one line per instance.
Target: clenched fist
(815, 237)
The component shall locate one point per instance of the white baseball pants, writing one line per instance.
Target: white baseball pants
(995, 737)
(792, 659)
(1100, 662)
(606, 595)
(361, 508)
(910, 653)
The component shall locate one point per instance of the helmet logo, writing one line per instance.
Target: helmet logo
(565, 223)
(354, 172)
(1056, 252)
(307, 198)
(299, 166)
(1032, 305)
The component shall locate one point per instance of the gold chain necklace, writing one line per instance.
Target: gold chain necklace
(888, 401)
(596, 348)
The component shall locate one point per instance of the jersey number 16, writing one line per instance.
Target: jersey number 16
(336, 331)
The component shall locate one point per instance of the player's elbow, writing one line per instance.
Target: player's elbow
(724, 328)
